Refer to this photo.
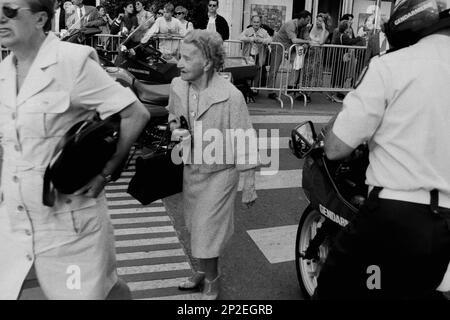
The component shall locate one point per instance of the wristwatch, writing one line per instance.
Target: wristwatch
(107, 177)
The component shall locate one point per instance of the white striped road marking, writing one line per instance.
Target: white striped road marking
(113, 202)
(277, 244)
(122, 180)
(137, 210)
(146, 242)
(150, 254)
(153, 268)
(128, 174)
(278, 180)
(118, 194)
(297, 119)
(189, 296)
(115, 188)
(122, 232)
(139, 220)
(155, 284)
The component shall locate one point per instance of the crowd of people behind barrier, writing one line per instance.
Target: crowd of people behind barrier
(306, 49)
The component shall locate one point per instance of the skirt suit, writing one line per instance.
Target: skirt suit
(70, 245)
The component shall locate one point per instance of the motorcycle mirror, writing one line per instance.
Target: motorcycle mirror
(303, 138)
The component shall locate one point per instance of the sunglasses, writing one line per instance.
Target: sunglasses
(212, 5)
(179, 13)
(161, 13)
(11, 13)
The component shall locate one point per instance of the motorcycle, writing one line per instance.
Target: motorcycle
(155, 98)
(153, 95)
(148, 64)
(335, 191)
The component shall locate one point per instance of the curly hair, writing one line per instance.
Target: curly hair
(210, 44)
(327, 20)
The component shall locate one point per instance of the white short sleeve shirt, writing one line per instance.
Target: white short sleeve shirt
(402, 108)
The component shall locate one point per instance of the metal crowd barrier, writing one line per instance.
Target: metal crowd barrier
(272, 71)
(233, 48)
(325, 68)
(169, 45)
(106, 44)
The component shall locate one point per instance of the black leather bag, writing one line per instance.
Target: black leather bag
(157, 176)
(81, 155)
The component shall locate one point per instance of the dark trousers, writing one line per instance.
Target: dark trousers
(406, 242)
(276, 58)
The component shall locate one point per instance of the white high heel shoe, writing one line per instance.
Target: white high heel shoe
(193, 282)
(211, 289)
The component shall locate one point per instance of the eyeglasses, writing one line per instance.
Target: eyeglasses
(177, 13)
(212, 5)
(11, 13)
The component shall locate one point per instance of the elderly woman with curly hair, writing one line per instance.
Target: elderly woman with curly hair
(212, 106)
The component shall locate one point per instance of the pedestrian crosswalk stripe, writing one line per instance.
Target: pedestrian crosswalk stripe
(113, 211)
(149, 255)
(121, 180)
(153, 268)
(118, 195)
(139, 220)
(277, 243)
(155, 284)
(145, 242)
(153, 247)
(114, 202)
(278, 180)
(115, 187)
(121, 232)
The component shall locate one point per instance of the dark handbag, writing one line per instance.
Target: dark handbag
(81, 155)
(157, 176)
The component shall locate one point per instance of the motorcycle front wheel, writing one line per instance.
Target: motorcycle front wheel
(308, 270)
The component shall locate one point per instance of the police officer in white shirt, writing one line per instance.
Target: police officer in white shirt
(398, 246)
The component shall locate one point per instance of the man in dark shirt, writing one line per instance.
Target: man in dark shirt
(214, 21)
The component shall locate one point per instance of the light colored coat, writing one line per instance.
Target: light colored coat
(248, 35)
(209, 190)
(222, 106)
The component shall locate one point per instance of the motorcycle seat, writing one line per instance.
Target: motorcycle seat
(152, 94)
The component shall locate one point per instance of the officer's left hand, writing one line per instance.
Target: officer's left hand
(93, 188)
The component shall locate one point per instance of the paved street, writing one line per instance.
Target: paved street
(153, 244)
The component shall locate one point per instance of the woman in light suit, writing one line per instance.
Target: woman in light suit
(46, 86)
(211, 105)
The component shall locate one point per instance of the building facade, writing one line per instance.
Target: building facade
(276, 12)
